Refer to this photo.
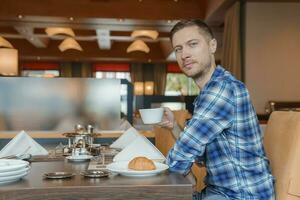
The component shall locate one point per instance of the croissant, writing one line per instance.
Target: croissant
(141, 164)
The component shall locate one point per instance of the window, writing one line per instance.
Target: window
(179, 84)
(46, 70)
(40, 73)
(117, 75)
(117, 71)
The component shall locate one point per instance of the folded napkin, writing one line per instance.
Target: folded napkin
(141, 146)
(22, 143)
(126, 138)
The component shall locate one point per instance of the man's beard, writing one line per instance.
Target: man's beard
(199, 75)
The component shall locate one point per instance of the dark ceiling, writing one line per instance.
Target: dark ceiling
(23, 23)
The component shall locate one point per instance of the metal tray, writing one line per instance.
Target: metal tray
(95, 173)
(58, 175)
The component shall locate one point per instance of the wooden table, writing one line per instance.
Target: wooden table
(103, 134)
(166, 186)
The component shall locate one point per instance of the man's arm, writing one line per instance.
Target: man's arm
(213, 113)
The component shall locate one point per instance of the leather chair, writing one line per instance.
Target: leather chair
(282, 145)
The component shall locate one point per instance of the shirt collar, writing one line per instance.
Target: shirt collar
(219, 70)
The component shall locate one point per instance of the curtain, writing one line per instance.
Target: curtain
(86, 70)
(159, 78)
(150, 72)
(69, 69)
(136, 72)
(231, 56)
(66, 69)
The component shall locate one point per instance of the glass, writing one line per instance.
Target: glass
(56, 105)
(59, 149)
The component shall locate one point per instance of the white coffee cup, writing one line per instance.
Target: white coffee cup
(152, 115)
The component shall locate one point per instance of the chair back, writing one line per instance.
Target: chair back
(282, 145)
(181, 116)
(165, 140)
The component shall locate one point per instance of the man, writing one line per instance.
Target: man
(224, 132)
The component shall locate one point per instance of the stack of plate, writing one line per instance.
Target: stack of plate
(13, 170)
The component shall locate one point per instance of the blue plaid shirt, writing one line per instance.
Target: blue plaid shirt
(224, 133)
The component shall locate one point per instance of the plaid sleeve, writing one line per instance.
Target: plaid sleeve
(213, 113)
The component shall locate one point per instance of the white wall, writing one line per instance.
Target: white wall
(272, 56)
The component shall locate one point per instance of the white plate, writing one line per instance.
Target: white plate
(79, 158)
(122, 168)
(15, 172)
(13, 178)
(12, 164)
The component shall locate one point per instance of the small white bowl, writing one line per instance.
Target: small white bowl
(152, 115)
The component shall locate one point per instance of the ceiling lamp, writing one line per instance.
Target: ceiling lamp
(69, 43)
(138, 45)
(8, 62)
(59, 30)
(145, 33)
(5, 43)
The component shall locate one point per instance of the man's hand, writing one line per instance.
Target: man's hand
(168, 120)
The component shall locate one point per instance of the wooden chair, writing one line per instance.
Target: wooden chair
(181, 116)
(165, 140)
(282, 145)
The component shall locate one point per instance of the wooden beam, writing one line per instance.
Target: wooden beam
(109, 24)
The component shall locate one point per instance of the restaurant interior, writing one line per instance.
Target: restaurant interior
(76, 73)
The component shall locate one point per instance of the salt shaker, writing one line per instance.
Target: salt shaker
(90, 130)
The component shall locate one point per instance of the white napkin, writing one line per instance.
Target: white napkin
(126, 138)
(141, 146)
(23, 143)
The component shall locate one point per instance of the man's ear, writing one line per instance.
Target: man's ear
(213, 45)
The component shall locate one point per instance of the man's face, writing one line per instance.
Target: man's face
(193, 51)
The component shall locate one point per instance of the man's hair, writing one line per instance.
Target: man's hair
(192, 22)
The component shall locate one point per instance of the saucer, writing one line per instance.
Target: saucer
(95, 173)
(79, 158)
(58, 175)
